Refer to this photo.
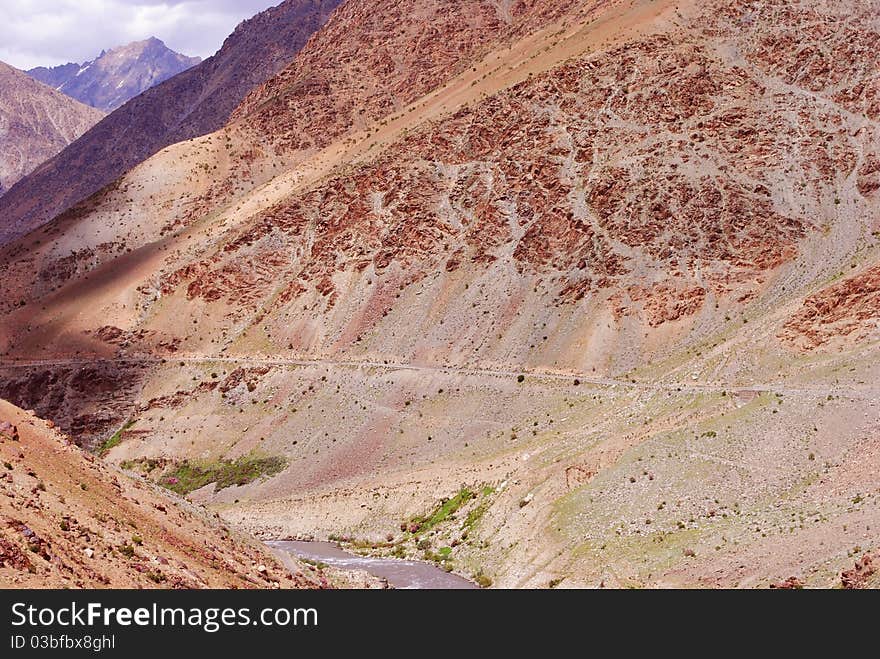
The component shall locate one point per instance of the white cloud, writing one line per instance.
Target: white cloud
(49, 32)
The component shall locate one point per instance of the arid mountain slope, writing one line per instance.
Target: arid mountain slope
(117, 75)
(194, 103)
(375, 58)
(36, 122)
(657, 206)
(67, 520)
(608, 287)
(194, 180)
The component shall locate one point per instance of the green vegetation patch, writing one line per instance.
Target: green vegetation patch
(440, 514)
(476, 514)
(187, 476)
(483, 581)
(115, 440)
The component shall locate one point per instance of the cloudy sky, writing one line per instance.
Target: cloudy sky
(49, 32)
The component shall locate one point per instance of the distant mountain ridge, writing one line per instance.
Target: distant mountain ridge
(36, 122)
(118, 75)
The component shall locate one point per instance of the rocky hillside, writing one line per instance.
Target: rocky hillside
(36, 123)
(193, 103)
(371, 61)
(117, 75)
(69, 521)
(574, 293)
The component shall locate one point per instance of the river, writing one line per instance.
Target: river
(398, 573)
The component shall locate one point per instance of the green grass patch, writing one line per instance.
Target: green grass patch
(114, 440)
(475, 515)
(143, 465)
(443, 512)
(187, 476)
(318, 564)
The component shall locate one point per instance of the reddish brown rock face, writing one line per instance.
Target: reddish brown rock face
(664, 158)
(792, 583)
(869, 176)
(660, 304)
(543, 179)
(373, 58)
(860, 574)
(847, 310)
(838, 37)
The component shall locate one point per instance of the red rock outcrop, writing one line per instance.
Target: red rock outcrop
(375, 56)
(860, 574)
(814, 48)
(792, 583)
(849, 309)
(542, 178)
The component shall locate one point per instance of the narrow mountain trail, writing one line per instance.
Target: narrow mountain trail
(860, 392)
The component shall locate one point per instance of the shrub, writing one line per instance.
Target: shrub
(156, 576)
(444, 511)
(482, 580)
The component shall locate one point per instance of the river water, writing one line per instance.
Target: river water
(399, 573)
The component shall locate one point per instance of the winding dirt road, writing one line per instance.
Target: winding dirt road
(860, 392)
